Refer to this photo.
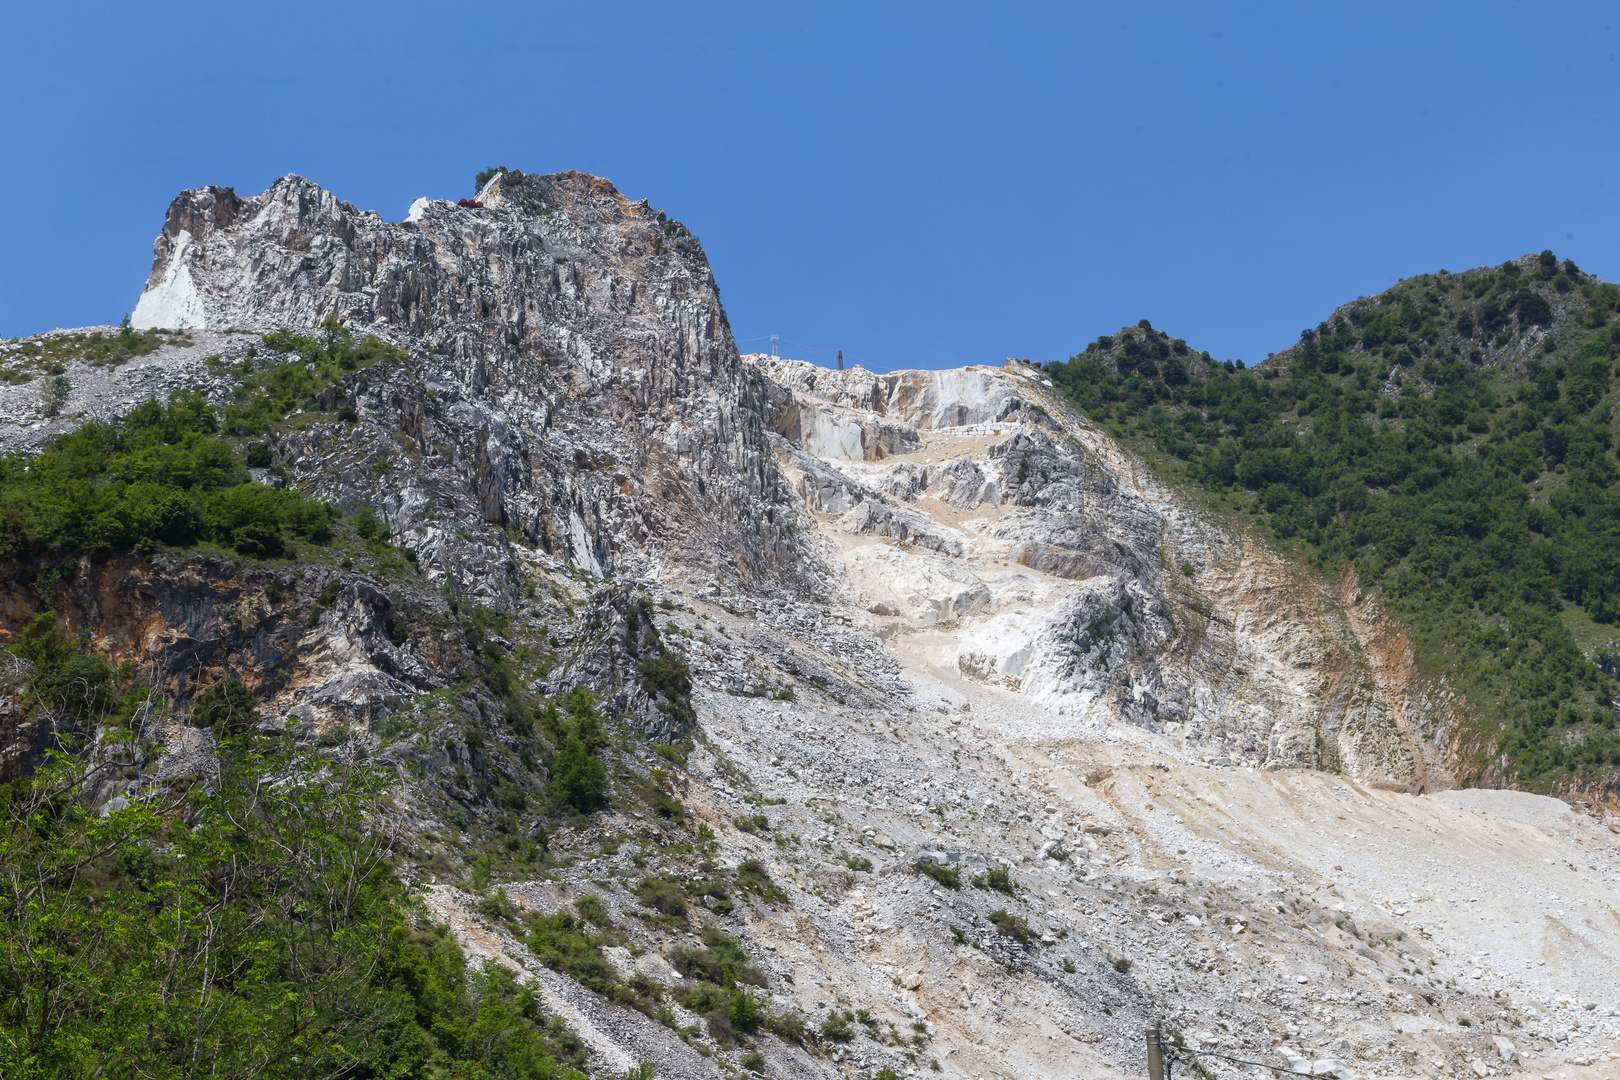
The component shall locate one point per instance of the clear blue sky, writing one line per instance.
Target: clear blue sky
(918, 184)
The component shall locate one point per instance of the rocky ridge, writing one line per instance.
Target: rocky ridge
(931, 619)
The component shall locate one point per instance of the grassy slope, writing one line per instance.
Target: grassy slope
(1453, 439)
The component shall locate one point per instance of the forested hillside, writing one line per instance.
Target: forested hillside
(1450, 440)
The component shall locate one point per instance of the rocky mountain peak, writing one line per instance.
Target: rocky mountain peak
(583, 332)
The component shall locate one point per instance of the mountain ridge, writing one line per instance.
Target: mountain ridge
(1490, 388)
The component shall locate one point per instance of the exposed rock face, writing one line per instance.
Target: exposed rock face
(996, 533)
(569, 349)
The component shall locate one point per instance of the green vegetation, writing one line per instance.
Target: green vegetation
(998, 879)
(569, 945)
(54, 395)
(753, 878)
(50, 354)
(247, 924)
(227, 706)
(578, 778)
(948, 876)
(668, 680)
(665, 897)
(1451, 442)
(78, 688)
(836, 1028)
(484, 176)
(719, 991)
(158, 476)
(1012, 926)
(309, 376)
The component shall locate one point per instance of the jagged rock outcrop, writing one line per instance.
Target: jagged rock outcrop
(573, 376)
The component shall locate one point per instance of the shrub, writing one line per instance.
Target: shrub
(789, 1026)
(366, 524)
(284, 882)
(578, 777)
(836, 1027)
(1534, 308)
(752, 877)
(54, 395)
(744, 1011)
(257, 541)
(228, 706)
(561, 943)
(1012, 926)
(753, 823)
(593, 911)
(334, 736)
(485, 176)
(722, 961)
(75, 686)
(859, 863)
(998, 879)
(1122, 964)
(947, 876)
(664, 897)
(497, 905)
(670, 678)
(160, 475)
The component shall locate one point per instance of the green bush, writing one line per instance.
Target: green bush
(721, 961)
(54, 395)
(752, 877)
(562, 943)
(948, 876)
(836, 1028)
(498, 906)
(790, 1027)
(485, 176)
(1012, 926)
(228, 706)
(593, 911)
(997, 878)
(367, 525)
(668, 679)
(334, 736)
(664, 897)
(579, 780)
(77, 687)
